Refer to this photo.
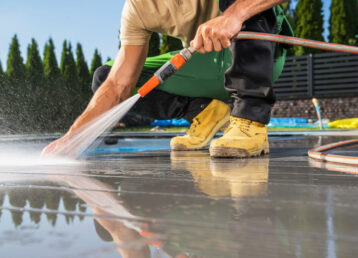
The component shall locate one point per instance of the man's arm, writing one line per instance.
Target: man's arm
(217, 33)
(117, 87)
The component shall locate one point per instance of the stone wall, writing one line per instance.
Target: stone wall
(331, 108)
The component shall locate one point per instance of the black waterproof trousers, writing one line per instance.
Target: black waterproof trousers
(249, 79)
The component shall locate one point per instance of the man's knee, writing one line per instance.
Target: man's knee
(99, 76)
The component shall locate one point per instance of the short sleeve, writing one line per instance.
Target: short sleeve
(133, 31)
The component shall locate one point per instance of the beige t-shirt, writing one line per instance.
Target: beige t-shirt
(176, 18)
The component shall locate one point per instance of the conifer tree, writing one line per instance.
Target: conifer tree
(308, 23)
(290, 15)
(64, 56)
(34, 67)
(1, 70)
(73, 104)
(96, 62)
(68, 68)
(16, 88)
(343, 21)
(170, 44)
(154, 45)
(71, 60)
(3, 100)
(83, 74)
(34, 96)
(57, 102)
(15, 63)
(50, 65)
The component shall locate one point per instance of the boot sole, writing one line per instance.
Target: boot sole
(203, 145)
(224, 152)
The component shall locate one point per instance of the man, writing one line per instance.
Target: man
(248, 81)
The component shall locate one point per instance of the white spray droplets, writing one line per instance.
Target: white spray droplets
(88, 133)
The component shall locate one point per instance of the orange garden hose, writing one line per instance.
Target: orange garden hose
(185, 55)
(298, 42)
(316, 153)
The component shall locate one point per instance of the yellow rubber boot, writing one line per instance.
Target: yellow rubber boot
(204, 127)
(243, 138)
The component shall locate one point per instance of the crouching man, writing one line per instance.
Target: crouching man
(200, 24)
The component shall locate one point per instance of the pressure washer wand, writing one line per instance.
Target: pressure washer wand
(167, 70)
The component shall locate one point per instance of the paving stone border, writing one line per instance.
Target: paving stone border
(331, 108)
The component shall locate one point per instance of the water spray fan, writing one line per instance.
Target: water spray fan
(173, 65)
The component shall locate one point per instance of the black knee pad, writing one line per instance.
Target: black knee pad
(99, 76)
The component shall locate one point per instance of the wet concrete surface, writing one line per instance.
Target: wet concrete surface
(126, 200)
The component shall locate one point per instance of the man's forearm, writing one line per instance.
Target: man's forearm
(117, 87)
(106, 97)
(245, 9)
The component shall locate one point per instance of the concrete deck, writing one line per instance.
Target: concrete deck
(131, 202)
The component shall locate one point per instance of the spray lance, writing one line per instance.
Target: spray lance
(173, 65)
(167, 70)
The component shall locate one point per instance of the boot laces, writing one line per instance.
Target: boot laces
(193, 126)
(243, 124)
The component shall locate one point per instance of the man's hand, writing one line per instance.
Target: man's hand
(216, 34)
(56, 147)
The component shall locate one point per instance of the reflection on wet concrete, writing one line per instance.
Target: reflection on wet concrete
(162, 204)
(223, 177)
(336, 167)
